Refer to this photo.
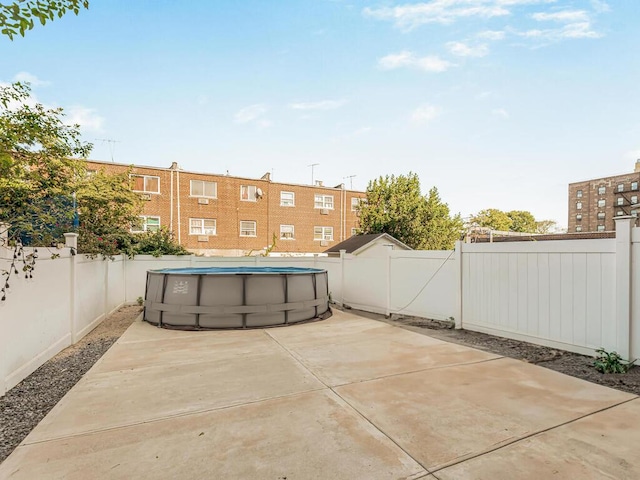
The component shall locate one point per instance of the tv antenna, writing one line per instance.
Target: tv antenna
(350, 177)
(313, 165)
(111, 143)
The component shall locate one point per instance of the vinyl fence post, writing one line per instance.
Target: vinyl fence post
(623, 285)
(71, 242)
(458, 263)
(342, 286)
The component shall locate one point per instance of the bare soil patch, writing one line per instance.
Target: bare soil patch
(22, 408)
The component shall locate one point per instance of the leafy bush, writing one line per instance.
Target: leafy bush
(157, 244)
(611, 362)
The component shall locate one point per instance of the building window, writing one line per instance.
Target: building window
(634, 185)
(619, 213)
(578, 205)
(579, 217)
(601, 215)
(621, 187)
(202, 226)
(601, 190)
(634, 199)
(323, 233)
(578, 228)
(355, 203)
(354, 231)
(323, 201)
(619, 201)
(286, 232)
(247, 228)
(601, 228)
(248, 193)
(146, 224)
(201, 188)
(579, 193)
(287, 199)
(146, 183)
(601, 202)
(634, 213)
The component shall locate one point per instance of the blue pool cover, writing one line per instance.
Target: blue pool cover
(238, 270)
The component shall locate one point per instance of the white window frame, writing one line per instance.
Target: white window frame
(601, 215)
(202, 229)
(578, 205)
(354, 231)
(145, 178)
(251, 193)
(287, 202)
(203, 182)
(246, 222)
(578, 228)
(355, 203)
(602, 203)
(285, 230)
(634, 199)
(578, 193)
(621, 187)
(602, 190)
(619, 201)
(323, 201)
(324, 234)
(600, 228)
(145, 225)
(634, 185)
(579, 216)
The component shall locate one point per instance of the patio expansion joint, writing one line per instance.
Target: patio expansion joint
(530, 435)
(169, 417)
(355, 410)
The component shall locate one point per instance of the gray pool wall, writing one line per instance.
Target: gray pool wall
(244, 297)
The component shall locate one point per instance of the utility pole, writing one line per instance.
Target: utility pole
(313, 165)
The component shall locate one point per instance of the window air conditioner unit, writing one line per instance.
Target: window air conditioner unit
(203, 238)
(203, 201)
(324, 243)
(324, 211)
(146, 196)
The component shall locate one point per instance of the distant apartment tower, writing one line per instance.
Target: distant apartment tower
(216, 214)
(594, 204)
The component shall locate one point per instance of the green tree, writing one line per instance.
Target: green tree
(546, 226)
(522, 221)
(493, 218)
(107, 207)
(39, 168)
(442, 230)
(21, 15)
(395, 205)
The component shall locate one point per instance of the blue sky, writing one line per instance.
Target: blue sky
(498, 103)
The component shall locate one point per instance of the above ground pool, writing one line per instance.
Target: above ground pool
(242, 297)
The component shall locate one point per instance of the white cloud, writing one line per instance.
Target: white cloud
(572, 30)
(411, 16)
(425, 113)
(563, 16)
(87, 118)
(600, 6)
(321, 105)
(250, 113)
(500, 112)
(32, 79)
(492, 34)
(461, 49)
(430, 63)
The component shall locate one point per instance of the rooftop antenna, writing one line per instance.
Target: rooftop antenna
(313, 165)
(350, 177)
(112, 144)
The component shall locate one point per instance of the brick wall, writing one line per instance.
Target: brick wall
(176, 206)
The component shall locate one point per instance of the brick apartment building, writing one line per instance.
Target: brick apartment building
(225, 215)
(594, 204)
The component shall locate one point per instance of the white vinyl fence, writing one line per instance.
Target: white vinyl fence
(577, 295)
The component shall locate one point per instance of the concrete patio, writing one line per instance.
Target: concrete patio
(345, 398)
